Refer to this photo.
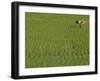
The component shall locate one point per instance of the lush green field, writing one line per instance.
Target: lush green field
(55, 40)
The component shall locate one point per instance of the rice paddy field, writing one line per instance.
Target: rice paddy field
(55, 40)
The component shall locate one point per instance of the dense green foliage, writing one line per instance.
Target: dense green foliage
(55, 40)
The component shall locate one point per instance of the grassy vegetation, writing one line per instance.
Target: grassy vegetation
(55, 40)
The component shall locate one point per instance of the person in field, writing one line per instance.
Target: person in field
(81, 23)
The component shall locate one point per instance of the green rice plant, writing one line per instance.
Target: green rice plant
(53, 40)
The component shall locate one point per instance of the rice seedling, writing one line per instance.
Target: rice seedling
(53, 40)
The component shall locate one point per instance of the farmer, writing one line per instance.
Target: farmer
(81, 23)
